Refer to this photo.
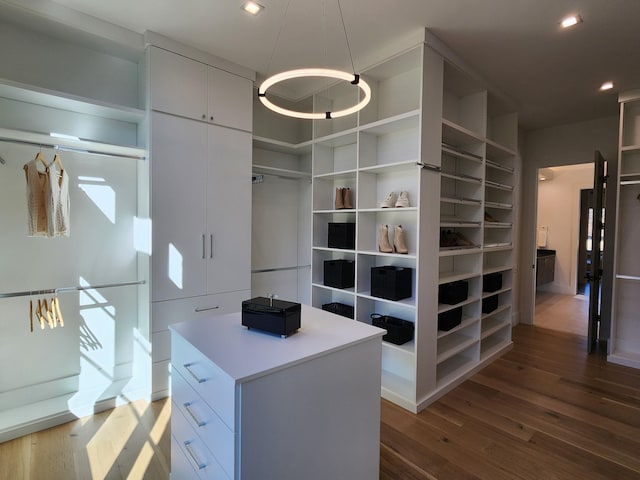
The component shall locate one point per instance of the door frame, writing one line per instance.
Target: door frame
(532, 254)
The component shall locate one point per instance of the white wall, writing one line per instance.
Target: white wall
(562, 145)
(559, 211)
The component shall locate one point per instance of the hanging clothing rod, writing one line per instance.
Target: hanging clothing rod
(37, 139)
(281, 269)
(50, 291)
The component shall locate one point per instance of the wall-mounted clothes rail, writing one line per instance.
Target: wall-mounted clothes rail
(428, 166)
(280, 269)
(29, 293)
(37, 139)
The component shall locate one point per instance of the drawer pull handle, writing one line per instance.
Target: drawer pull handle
(196, 377)
(204, 309)
(192, 454)
(187, 406)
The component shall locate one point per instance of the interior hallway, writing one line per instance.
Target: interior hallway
(565, 313)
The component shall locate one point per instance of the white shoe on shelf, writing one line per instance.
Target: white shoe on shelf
(390, 201)
(403, 199)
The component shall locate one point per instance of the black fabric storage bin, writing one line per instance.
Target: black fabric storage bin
(339, 273)
(492, 282)
(392, 283)
(398, 331)
(449, 319)
(342, 235)
(489, 304)
(339, 309)
(454, 292)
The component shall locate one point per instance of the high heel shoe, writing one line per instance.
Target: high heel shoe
(339, 201)
(383, 240)
(399, 241)
(346, 198)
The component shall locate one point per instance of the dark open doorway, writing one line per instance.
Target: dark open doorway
(584, 247)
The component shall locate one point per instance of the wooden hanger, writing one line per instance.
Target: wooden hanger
(47, 312)
(56, 305)
(58, 161)
(41, 318)
(40, 157)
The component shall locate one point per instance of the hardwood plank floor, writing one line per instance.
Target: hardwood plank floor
(545, 410)
(567, 313)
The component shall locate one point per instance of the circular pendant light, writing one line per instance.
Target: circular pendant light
(354, 79)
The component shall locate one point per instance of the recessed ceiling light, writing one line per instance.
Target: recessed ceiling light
(570, 21)
(606, 86)
(252, 7)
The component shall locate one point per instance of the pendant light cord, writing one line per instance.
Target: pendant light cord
(275, 46)
(346, 37)
(344, 29)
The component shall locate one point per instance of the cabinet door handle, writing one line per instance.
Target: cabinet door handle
(211, 118)
(203, 247)
(211, 246)
(204, 309)
(187, 407)
(187, 367)
(204, 116)
(192, 454)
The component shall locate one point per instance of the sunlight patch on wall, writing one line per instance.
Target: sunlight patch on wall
(142, 235)
(175, 266)
(102, 195)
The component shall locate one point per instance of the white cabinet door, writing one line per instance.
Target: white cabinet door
(229, 100)
(178, 171)
(229, 210)
(178, 84)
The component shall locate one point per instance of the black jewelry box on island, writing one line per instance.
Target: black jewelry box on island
(270, 315)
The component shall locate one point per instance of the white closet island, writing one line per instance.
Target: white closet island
(252, 405)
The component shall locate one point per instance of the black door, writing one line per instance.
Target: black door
(595, 275)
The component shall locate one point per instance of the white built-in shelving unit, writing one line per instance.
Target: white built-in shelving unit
(424, 111)
(624, 346)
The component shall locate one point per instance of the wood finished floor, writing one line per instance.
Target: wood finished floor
(545, 410)
(567, 313)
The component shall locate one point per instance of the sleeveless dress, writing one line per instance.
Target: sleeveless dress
(36, 208)
(57, 202)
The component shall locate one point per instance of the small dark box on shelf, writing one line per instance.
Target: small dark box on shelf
(449, 319)
(274, 316)
(392, 283)
(454, 292)
(342, 235)
(489, 304)
(398, 331)
(339, 309)
(492, 282)
(339, 273)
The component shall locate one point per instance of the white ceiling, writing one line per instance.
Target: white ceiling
(516, 45)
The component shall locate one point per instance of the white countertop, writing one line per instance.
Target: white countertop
(245, 354)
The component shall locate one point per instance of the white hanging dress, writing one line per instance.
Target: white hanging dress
(36, 205)
(57, 202)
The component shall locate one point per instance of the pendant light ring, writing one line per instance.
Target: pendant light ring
(315, 72)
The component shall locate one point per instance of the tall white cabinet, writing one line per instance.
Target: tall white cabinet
(624, 346)
(200, 131)
(437, 133)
